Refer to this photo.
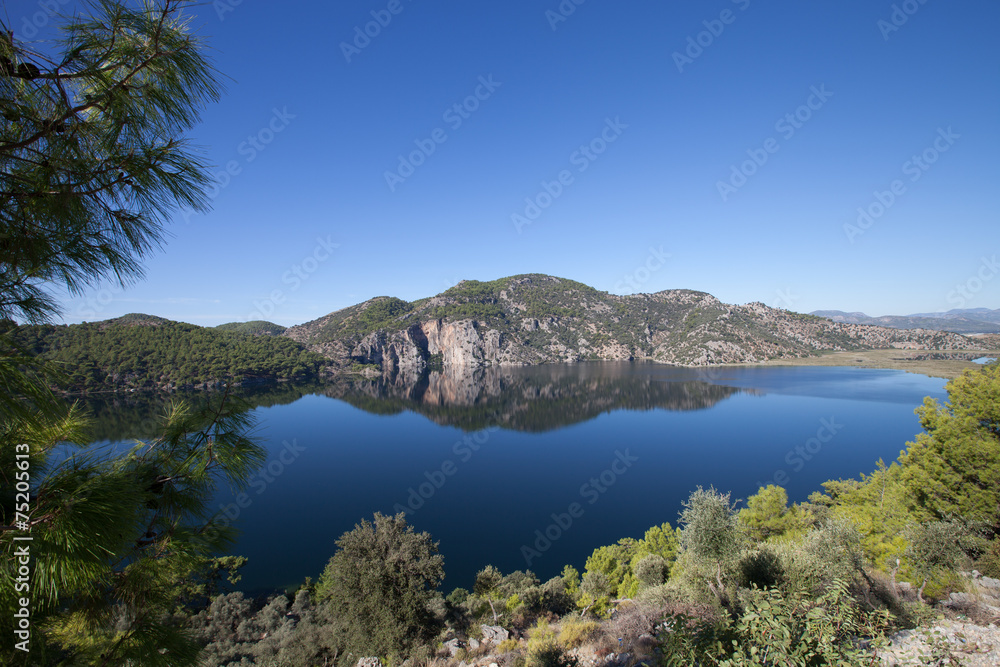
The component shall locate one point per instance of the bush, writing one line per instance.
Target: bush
(801, 631)
(379, 586)
(989, 562)
(761, 569)
(651, 570)
(576, 632)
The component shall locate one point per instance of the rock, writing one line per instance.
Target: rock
(494, 634)
(369, 662)
(960, 600)
(473, 643)
(987, 582)
(453, 645)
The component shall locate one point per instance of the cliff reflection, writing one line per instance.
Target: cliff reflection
(535, 398)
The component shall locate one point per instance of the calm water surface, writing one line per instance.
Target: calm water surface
(484, 460)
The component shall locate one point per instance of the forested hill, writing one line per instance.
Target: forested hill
(143, 351)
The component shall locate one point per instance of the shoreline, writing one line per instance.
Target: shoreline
(910, 361)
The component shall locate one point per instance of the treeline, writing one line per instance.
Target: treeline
(815, 583)
(137, 352)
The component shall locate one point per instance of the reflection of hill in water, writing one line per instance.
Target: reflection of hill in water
(537, 398)
(120, 417)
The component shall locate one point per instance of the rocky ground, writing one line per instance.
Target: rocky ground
(971, 638)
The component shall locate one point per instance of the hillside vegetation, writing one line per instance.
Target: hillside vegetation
(535, 318)
(138, 351)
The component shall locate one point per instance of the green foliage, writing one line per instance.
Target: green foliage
(953, 468)
(779, 630)
(238, 631)
(253, 327)
(383, 313)
(544, 649)
(710, 530)
(989, 562)
(651, 570)
(574, 632)
(571, 580)
(379, 586)
(938, 549)
(761, 568)
(92, 157)
(153, 353)
(767, 514)
(116, 536)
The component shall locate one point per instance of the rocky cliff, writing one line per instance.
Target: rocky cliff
(534, 319)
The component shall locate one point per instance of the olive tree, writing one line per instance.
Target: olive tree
(380, 585)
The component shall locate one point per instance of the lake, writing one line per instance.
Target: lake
(533, 468)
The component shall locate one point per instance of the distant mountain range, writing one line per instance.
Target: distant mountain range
(963, 321)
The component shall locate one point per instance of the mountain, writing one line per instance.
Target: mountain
(964, 321)
(534, 318)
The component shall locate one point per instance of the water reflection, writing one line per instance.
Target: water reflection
(531, 399)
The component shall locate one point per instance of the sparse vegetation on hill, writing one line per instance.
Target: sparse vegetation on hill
(534, 318)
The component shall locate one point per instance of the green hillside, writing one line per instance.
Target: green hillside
(142, 351)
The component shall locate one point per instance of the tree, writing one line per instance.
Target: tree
(487, 586)
(767, 514)
(92, 161)
(711, 534)
(936, 548)
(953, 468)
(91, 154)
(379, 587)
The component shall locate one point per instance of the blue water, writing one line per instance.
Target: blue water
(538, 439)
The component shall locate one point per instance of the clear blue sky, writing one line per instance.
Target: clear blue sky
(678, 128)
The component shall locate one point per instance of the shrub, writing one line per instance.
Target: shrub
(800, 631)
(761, 569)
(379, 586)
(651, 570)
(507, 646)
(989, 562)
(576, 632)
